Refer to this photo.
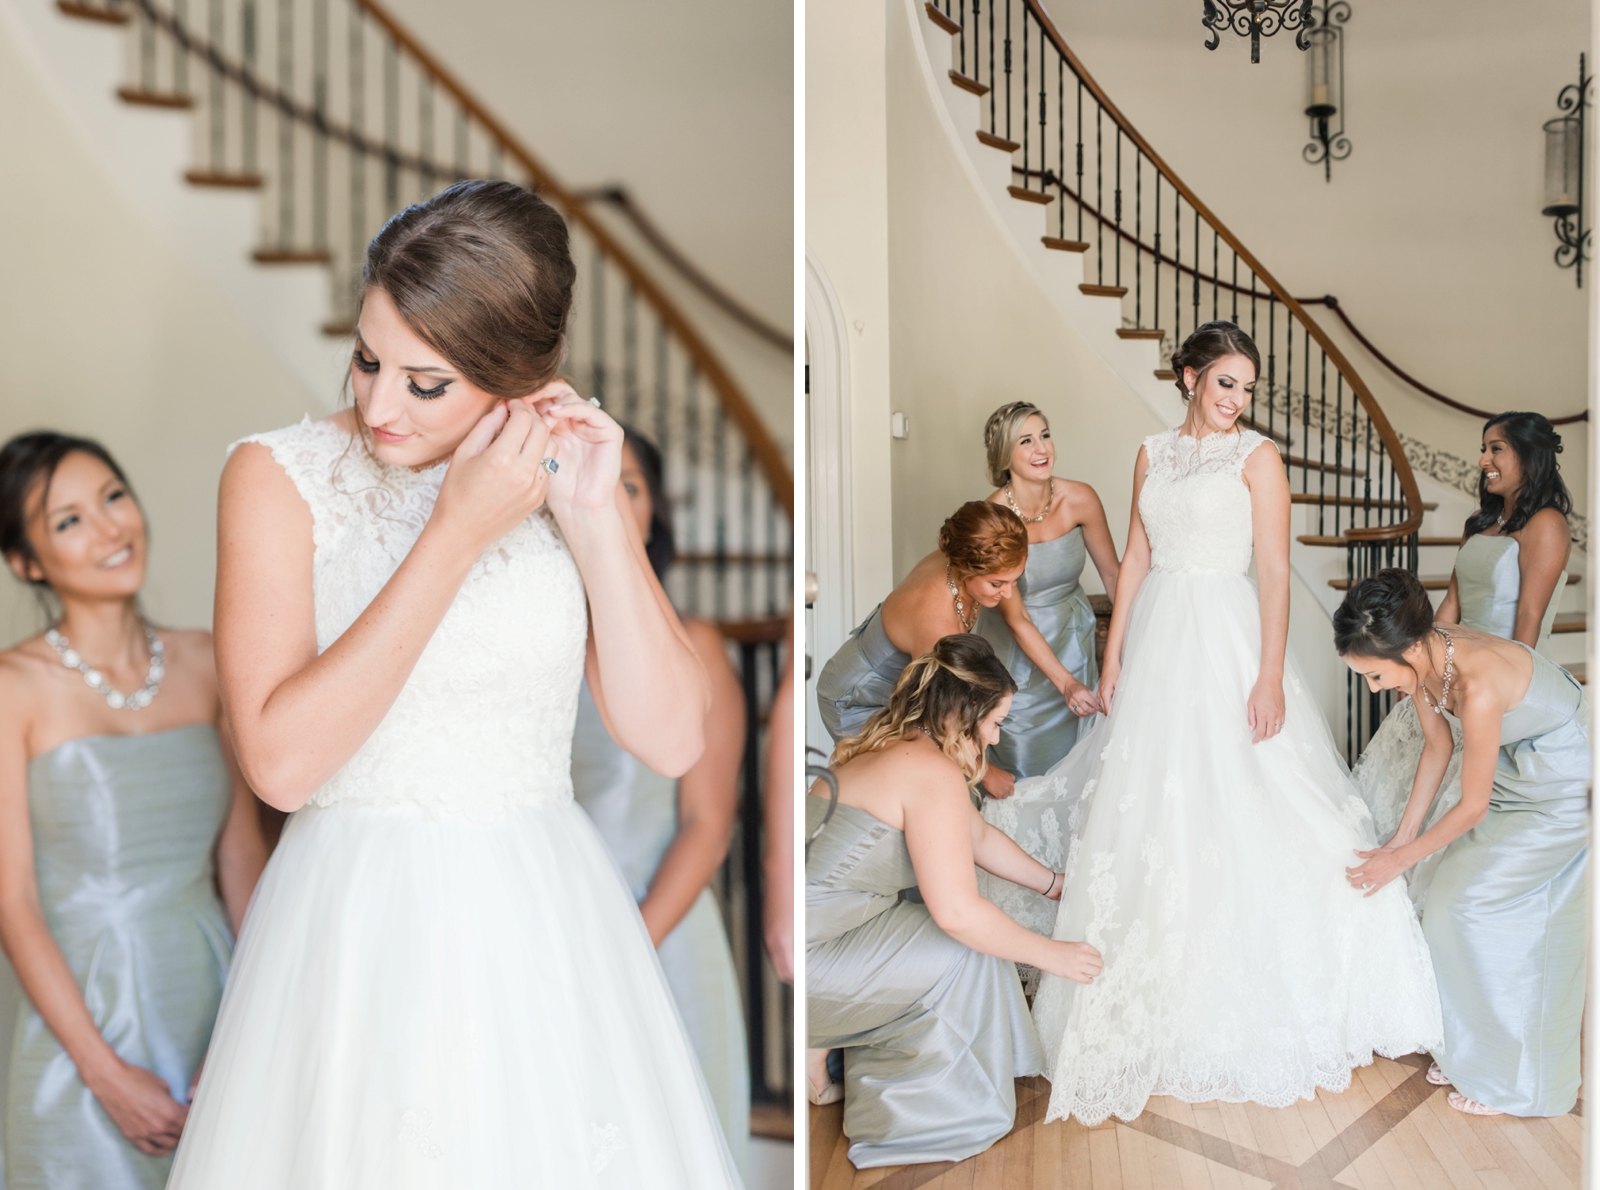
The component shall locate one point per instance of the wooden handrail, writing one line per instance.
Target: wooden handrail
(734, 402)
(1402, 466)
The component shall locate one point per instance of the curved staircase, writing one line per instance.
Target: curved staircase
(1135, 260)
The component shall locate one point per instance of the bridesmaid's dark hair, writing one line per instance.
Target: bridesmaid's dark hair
(1537, 444)
(946, 692)
(660, 547)
(28, 462)
(1206, 344)
(1383, 616)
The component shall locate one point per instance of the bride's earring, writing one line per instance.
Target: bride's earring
(1191, 394)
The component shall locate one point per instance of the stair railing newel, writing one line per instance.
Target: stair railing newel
(338, 117)
(1147, 241)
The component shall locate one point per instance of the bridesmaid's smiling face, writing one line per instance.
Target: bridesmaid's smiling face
(1034, 456)
(1502, 469)
(989, 725)
(87, 532)
(416, 405)
(1383, 674)
(987, 590)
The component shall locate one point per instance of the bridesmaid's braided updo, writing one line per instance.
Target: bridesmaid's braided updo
(983, 538)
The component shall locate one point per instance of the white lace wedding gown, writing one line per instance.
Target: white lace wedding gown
(443, 981)
(1239, 963)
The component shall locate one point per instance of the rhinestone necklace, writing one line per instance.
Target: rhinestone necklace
(115, 699)
(961, 610)
(1449, 675)
(1032, 520)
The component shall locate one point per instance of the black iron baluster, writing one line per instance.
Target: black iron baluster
(1027, 180)
(1196, 251)
(1322, 449)
(356, 45)
(1044, 118)
(1155, 266)
(630, 355)
(319, 143)
(391, 126)
(180, 58)
(286, 179)
(692, 433)
(215, 95)
(597, 333)
(1288, 373)
(147, 53)
(1080, 161)
(1138, 238)
(662, 390)
(750, 826)
(249, 117)
(1216, 273)
(425, 134)
(1338, 448)
(992, 87)
(1099, 196)
(1177, 265)
(719, 506)
(1272, 364)
(747, 525)
(1116, 199)
(963, 38)
(1236, 287)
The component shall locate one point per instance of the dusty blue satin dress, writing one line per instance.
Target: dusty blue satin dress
(1488, 585)
(859, 678)
(1506, 918)
(124, 830)
(933, 1033)
(636, 812)
(1040, 728)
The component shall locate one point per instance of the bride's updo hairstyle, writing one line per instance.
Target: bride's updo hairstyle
(1537, 444)
(983, 538)
(1209, 342)
(1000, 434)
(947, 693)
(1383, 616)
(481, 272)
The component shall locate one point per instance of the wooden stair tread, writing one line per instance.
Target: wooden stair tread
(1341, 542)
(998, 142)
(1166, 374)
(1437, 582)
(154, 98)
(1115, 291)
(88, 12)
(938, 18)
(1571, 621)
(967, 84)
(1319, 465)
(202, 177)
(1139, 332)
(1027, 195)
(1064, 245)
(292, 256)
(1353, 501)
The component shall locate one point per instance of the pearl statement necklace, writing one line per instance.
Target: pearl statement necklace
(1449, 675)
(961, 611)
(1048, 501)
(115, 699)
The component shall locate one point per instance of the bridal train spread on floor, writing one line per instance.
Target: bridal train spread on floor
(1240, 964)
(443, 980)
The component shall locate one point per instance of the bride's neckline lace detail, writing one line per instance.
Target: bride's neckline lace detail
(1191, 456)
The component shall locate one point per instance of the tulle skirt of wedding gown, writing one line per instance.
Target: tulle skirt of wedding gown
(426, 1002)
(1210, 872)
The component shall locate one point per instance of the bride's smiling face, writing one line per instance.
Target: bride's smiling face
(416, 405)
(1221, 394)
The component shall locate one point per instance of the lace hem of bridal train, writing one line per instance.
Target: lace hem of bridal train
(1240, 964)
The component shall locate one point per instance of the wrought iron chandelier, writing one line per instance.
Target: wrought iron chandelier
(1257, 19)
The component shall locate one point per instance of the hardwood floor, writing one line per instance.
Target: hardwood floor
(1391, 1130)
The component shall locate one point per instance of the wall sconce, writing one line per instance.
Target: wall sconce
(1563, 173)
(1325, 86)
(1255, 19)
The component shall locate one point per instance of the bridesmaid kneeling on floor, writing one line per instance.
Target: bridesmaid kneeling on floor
(982, 552)
(122, 817)
(1506, 916)
(922, 995)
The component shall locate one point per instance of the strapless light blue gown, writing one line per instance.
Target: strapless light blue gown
(1488, 584)
(859, 678)
(636, 812)
(124, 829)
(934, 1033)
(1506, 918)
(1040, 728)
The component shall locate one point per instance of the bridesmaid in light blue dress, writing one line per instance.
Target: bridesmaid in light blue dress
(129, 845)
(1506, 917)
(982, 551)
(1044, 632)
(669, 836)
(1508, 579)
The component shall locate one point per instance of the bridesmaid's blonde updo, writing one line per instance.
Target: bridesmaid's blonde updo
(946, 692)
(983, 538)
(1000, 434)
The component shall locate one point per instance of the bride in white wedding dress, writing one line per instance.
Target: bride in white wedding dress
(442, 980)
(1208, 819)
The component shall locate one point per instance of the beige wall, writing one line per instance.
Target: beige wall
(107, 332)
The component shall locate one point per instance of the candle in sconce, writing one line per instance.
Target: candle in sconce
(1319, 95)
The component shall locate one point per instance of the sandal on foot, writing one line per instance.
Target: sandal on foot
(1470, 1107)
(1437, 1076)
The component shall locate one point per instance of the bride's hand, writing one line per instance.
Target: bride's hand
(1080, 699)
(1376, 869)
(1077, 961)
(496, 477)
(1265, 710)
(1108, 685)
(587, 447)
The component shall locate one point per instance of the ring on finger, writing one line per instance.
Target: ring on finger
(550, 465)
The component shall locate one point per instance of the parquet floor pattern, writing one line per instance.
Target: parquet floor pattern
(1391, 1130)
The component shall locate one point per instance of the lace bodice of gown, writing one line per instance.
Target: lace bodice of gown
(484, 723)
(1196, 510)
